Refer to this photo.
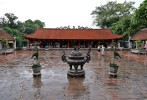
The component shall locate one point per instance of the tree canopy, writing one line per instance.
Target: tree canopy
(121, 18)
(10, 23)
(106, 15)
(30, 26)
(129, 25)
(141, 15)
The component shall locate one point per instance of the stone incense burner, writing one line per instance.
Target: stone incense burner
(74, 60)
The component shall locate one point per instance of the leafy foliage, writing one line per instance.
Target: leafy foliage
(121, 18)
(36, 65)
(31, 26)
(14, 27)
(35, 54)
(4, 43)
(115, 55)
(138, 44)
(141, 15)
(113, 65)
(11, 20)
(112, 12)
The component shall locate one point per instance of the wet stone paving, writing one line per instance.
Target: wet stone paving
(17, 82)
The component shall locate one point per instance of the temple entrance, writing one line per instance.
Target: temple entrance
(74, 43)
(44, 44)
(63, 44)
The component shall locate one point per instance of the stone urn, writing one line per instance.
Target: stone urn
(74, 60)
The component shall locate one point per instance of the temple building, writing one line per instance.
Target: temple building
(5, 37)
(68, 38)
(140, 35)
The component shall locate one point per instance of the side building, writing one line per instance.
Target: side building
(141, 35)
(68, 38)
(6, 40)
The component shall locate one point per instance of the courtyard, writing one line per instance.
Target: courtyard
(17, 82)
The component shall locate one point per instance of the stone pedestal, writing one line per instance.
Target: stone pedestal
(76, 73)
(74, 60)
(36, 72)
(113, 71)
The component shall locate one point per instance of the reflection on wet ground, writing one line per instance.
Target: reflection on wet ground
(17, 82)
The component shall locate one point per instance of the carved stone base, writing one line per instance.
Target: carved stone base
(76, 73)
(36, 74)
(113, 71)
(112, 74)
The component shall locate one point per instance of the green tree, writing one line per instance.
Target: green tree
(11, 20)
(17, 28)
(140, 18)
(30, 26)
(4, 42)
(138, 44)
(129, 25)
(12, 32)
(3, 22)
(20, 26)
(123, 26)
(39, 24)
(106, 15)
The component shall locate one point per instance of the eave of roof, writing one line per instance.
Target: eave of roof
(5, 35)
(73, 34)
(140, 35)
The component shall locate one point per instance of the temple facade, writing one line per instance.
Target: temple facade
(68, 38)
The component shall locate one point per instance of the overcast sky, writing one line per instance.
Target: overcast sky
(55, 13)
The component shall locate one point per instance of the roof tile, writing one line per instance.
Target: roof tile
(140, 35)
(4, 34)
(73, 34)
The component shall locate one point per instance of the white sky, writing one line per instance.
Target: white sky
(55, 13)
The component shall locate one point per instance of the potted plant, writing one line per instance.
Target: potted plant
(36, 64)
(113, 67)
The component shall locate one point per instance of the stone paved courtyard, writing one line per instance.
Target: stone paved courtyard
(17, 82)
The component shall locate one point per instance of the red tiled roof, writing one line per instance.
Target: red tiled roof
(74, 34)
(4, 34)
(140, 35)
